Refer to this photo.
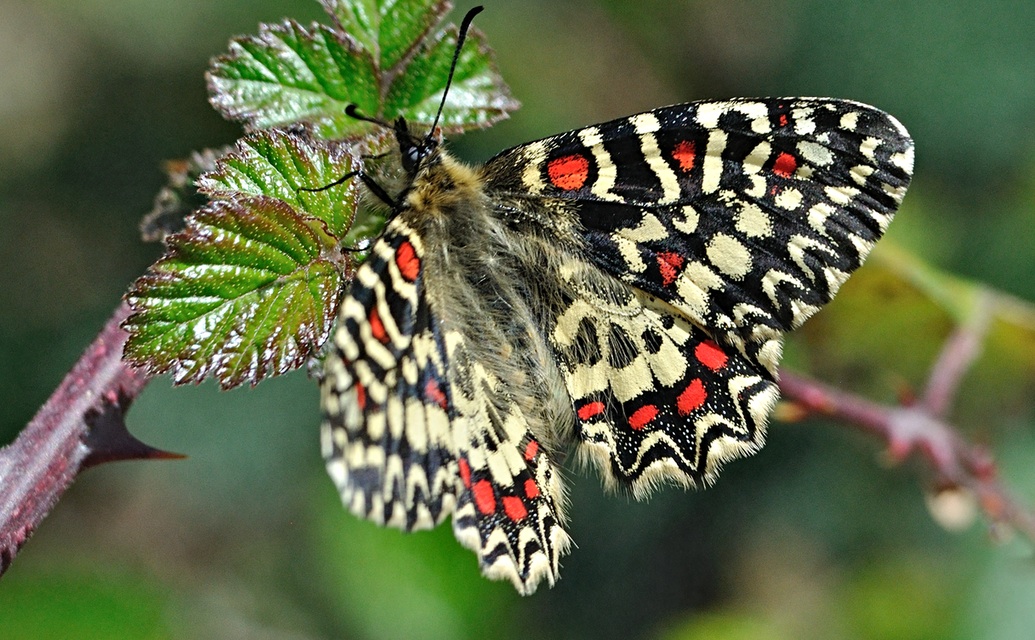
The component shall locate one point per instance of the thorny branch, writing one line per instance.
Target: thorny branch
(82, 424)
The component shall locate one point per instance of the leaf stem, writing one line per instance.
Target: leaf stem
(958, 353)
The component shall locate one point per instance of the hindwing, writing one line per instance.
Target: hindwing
(656, 399)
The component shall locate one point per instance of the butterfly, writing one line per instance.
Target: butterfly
(619, 292)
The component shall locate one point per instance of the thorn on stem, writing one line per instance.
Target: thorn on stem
(108, 439)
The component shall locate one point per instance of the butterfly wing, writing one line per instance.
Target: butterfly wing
(731, 222)
(746, 215)
(417, 428)
(650, 265)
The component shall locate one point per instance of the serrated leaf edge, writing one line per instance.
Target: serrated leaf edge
(305, 341)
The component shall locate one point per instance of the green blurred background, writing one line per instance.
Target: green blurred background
(814, 538)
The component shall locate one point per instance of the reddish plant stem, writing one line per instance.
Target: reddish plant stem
(955, 462)
(905, 429)
(80, 424)
(958, 353)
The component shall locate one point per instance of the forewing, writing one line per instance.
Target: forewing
(745, 215)
(416, 429)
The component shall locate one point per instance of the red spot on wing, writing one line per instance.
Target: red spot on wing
(692, 397)
(407, 261)
(642, 416)
(669, 263)
(433, 392)
(590, 410)
(685, 153)
(377, 328)
(710, 355)
(514, 508)
(531, 489)
(361, 396)
(568, 172)
(484, 497)
(465, 472)
(785, 165)
(531, 450)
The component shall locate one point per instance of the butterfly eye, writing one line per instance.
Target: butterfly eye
(411, 156)
(413, 152)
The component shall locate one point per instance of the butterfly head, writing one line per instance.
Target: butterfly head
(413, 149)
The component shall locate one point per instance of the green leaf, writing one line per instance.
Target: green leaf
(288, 74)
(387, 29)
(385, 60)
(478, 97)
(251, 286)
(358, 20)
(248, 290)
(404, 23)
(277, 164)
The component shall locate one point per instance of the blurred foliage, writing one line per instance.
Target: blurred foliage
(246, 539)
(86, 603)
(919, 306)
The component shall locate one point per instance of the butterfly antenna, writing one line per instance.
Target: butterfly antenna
(465, 26)
(352, 111)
